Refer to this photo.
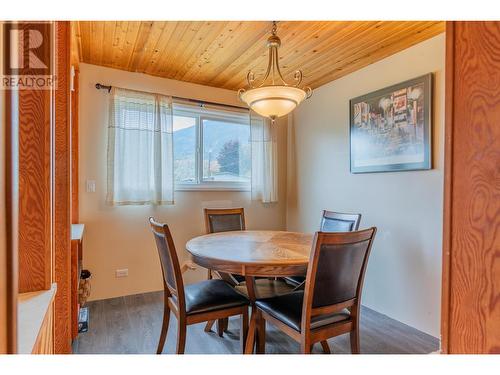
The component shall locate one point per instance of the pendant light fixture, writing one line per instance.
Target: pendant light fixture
(273, 97)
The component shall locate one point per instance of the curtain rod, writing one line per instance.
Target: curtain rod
(100, 86)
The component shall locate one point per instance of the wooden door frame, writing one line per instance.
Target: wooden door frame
(35, 162)
(470, 288)
(11, 197)
(62, 191)
(38, 154)
(448, 174)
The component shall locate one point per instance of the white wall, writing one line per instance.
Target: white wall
(403, 279)
(119, 237)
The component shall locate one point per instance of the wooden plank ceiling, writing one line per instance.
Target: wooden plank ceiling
(217, 53)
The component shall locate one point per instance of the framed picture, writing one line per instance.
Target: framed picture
(390, 129)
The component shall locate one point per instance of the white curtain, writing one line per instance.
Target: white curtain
(140, 149)
(264, 159)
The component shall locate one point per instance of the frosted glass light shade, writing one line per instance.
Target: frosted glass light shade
(273, 101)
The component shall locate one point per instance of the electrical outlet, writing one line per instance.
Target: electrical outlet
(121, 273)
(90, 186)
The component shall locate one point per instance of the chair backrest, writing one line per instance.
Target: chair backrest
(171, 270)
(224, 219)
(339, 222)
(336, 270)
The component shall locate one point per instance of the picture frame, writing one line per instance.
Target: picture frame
(391, 129)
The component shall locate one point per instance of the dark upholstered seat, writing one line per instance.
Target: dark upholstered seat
(238, 278)
(295, 280)
(329, 304)
(210, 295)
(331, 222)
(195, 303)
(288, 309)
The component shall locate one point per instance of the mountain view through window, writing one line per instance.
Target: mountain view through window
(209, 149)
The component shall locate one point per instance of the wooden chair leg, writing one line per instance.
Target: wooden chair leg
(354, 336)
(261, 334)
(181, 336)
(225, 324)
(305, 346)
(250, 343)
(220, 327)
(243, 329)
(164, 329)
(209, 325)
(326, 348)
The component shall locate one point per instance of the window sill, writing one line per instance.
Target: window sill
(31, 311)
(212, 187)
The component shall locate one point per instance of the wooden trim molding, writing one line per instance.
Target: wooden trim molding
(77, 231)
(45, 341)
(74, 148)
(471, 270)
(34, 190)
(36, 328)
(9, 263)
(4, 176)
(448, 173)
(62, 192)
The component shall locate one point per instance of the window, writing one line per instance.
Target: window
(211, 149)
(156, 146)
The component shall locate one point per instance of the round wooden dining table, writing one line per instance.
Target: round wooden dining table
(252, 253)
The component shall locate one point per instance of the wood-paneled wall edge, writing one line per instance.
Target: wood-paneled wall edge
(471, 238)
(11, 272)
(62, 191)
(75, 44)
(35, 178)
(448, 172)
(75, 148)
(75, 54)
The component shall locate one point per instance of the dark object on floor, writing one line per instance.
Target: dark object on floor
(83, 320)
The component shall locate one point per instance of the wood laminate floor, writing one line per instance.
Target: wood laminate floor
(132, 324)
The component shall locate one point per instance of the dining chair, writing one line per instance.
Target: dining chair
(225, 220)
(233, 219)
(194, 303)
(330, 222)
(330, 303)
